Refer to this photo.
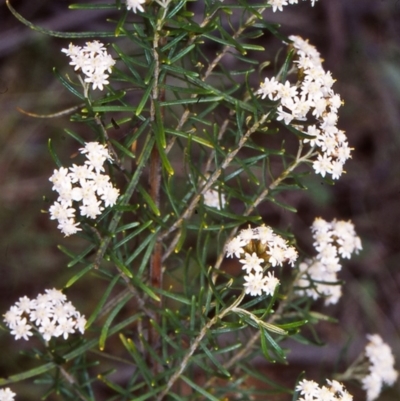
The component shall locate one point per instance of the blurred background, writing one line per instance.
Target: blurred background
(360, 42)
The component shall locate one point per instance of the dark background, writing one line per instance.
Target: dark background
(360, 42)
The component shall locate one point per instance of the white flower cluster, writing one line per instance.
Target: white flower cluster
(135, 5)
(311, 391)
(256, 246)
(49, 314)
(93, 60)
(313, 94)
(213, 199)
(84, 184)
(381, 367)
(278, 4)
(331, 241)
(6, 394)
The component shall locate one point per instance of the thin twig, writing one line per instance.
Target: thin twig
(156, 273)
(256, 336)
(214, 176)
(195, 345)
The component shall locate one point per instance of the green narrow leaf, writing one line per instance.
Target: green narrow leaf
(110, 318)
(199, 99)
(249, 46)
(113, 386)
(67, 85)
(120, 24)
(74, 135)
(164, 160)
(53, 154)
(278, 350)
(144, 264)
(58, 34)
(182, 237)
(149, 201)
(176, 9)
(199, 389)
(97, 6)
(138, 282)
(79, 275)
(110, 98)
(79, 257)
(121, 266)
(286, 66)
(107, 109)
(144, 99)
(123, 149)
(176, 297)
(132, 235)
(28, 374)
(264, 346)
(160, 133)
(102, 301)
(182, 53)
(215, 361)
(274, 329)
(127, 227)
(189, 136)
(193, 313)
(173, 42)
(131, 348)
(281, 204)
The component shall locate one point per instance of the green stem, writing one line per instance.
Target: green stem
(214, 176)
(196, 343)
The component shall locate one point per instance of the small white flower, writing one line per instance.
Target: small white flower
(135, 5)
(80, 323)
(41, 313)
(65, 327)
(234, 247)
(68, 227)
(270, 283)
(6, 394)
(323, 164)
(269, 88)
(265, 234)
(93, 61)
(254, 284)
(248, 234)
(251, 262)
(277, 255)
(98, 79)
(24, 304)
(307, 388)
(381, 367)
(60, 178)
(331, 240)
(91, 209)
(22, 330)
(109, 195)
(48, 328)
(12, 316)
(213, 199)
(277, 4)
(61, 211)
